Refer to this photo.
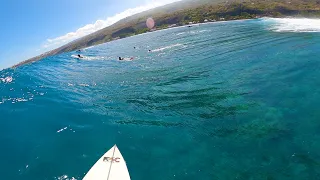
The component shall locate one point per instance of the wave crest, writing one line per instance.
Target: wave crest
(293, 24)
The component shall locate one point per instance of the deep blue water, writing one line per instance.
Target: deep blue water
(230, 100)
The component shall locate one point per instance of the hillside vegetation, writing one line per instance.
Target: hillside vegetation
(195, 11)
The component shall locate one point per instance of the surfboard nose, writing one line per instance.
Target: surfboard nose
(111, 166)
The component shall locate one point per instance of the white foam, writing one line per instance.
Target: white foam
(90, 47)
(181, 33)
(84, 85)
(293, 24)
(65, 177)
(201, 31)
(204, 31)
(166, 47)
(8, 79)
(14, 100)
(62, 129)
(88, 58)
(21, 100)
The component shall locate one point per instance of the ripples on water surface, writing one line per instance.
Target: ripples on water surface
(231, 100)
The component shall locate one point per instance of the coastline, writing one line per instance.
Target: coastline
(42, 56)
(48, 54)
(186, 13)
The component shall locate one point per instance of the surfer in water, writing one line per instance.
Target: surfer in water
(121, 59)
(80, 56)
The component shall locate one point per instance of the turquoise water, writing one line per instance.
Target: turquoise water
(230, 100)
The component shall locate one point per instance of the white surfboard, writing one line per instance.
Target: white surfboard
(111, 166)
(77, 57)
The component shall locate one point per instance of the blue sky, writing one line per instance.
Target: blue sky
(31, 27)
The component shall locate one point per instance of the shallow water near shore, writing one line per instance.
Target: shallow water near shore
(227, 100)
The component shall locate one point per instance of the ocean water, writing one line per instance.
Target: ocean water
(227, 100)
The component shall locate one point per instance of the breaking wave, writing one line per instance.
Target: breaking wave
(293, 24)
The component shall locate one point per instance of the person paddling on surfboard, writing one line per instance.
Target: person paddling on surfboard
(80, 56)
(121, 59)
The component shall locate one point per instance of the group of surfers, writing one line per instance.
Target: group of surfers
(120, 58)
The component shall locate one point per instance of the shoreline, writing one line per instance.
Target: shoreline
(188, 13)
(45, 55)
(42, 56)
